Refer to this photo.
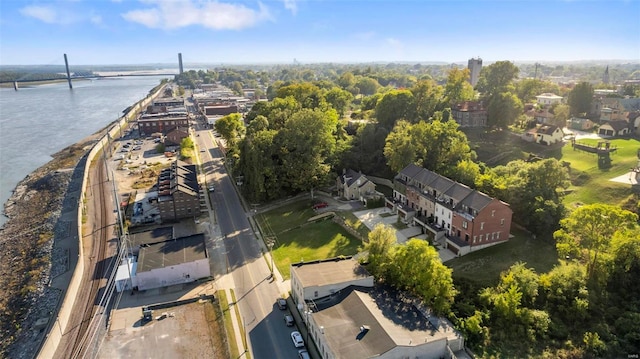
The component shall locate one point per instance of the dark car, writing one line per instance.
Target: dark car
(282, 303)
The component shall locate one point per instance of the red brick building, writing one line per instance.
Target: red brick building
(450, 213)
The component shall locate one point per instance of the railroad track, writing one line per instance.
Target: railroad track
(78, 335)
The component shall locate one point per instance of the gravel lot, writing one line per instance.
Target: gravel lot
(194, 331)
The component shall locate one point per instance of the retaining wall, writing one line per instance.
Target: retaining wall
(59, 327)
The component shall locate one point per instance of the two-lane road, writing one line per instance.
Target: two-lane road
(269, 337)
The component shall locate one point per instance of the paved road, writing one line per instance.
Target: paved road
(255, 293)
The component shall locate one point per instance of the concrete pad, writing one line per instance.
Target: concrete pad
(446, 255)
(631, 178)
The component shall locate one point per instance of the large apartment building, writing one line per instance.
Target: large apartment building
(178, 192)
(452, 214)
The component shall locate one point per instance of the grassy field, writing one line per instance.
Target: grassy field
(297, 239)
(500, 147)
(484, 267)
(592, 184)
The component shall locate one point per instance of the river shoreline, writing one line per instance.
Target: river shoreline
(28, 259)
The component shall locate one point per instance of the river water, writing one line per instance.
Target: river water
(39, 121)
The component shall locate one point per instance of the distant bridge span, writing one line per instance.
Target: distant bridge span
(97, 76)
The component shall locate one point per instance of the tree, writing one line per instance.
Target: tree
(503, 109)
(304, 144)
(400, 149)
(366, 85)
(438, 146)
(378, 249)
(230, 127)
(564, 292)
(496, 78)
(395, 105)
(416, 267)
(588, 230)
(339, 99)
(429, 98)
(346, 80)
(580, 98)
(528, 89)
(458, 88)
(561, 113)
(305, 93)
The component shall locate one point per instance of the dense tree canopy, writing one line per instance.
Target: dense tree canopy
(395, 105)
(580, 98)
(503, 109)
(414, 266)
(458, 88)
(438, 146)
(587, 232)
(497, 78)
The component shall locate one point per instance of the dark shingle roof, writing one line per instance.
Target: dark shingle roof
(476, 200)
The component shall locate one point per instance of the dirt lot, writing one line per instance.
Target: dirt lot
(182, 335)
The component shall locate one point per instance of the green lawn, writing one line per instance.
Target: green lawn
(286, 217)
(297, 239)
(592, 184)
(484, 266)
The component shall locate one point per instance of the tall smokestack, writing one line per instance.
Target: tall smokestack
(180, 62)
(66, 64)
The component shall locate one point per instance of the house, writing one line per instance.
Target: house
(450, 213)
(354, 185)
(178, 192)
(175, 136)
(548, 99)
(634, 121)
(581, 124)
(161, 264)
(541, 116)
(469, 114)
(614, 128)
(347, 316)
(544, 134)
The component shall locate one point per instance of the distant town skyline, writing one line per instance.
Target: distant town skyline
(316, 31)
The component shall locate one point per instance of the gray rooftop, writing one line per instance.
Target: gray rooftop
(155, 235)
(458, 192)
(391, 321)
(476, 200)
(330, 271)
(172, 252)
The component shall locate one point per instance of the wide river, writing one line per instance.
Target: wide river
(36, 122)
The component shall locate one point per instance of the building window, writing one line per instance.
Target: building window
(465, 225)
(502, 222)
(315, 294)
(493, 213)
(481, 238)
(498, 236)
(481, 225)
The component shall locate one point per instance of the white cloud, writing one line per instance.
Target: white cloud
(210, 14)
(43, 13)
(291, 5)
(60, 14)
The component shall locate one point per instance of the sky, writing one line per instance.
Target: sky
(100, 32)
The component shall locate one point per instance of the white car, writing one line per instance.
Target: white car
(296, 337)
